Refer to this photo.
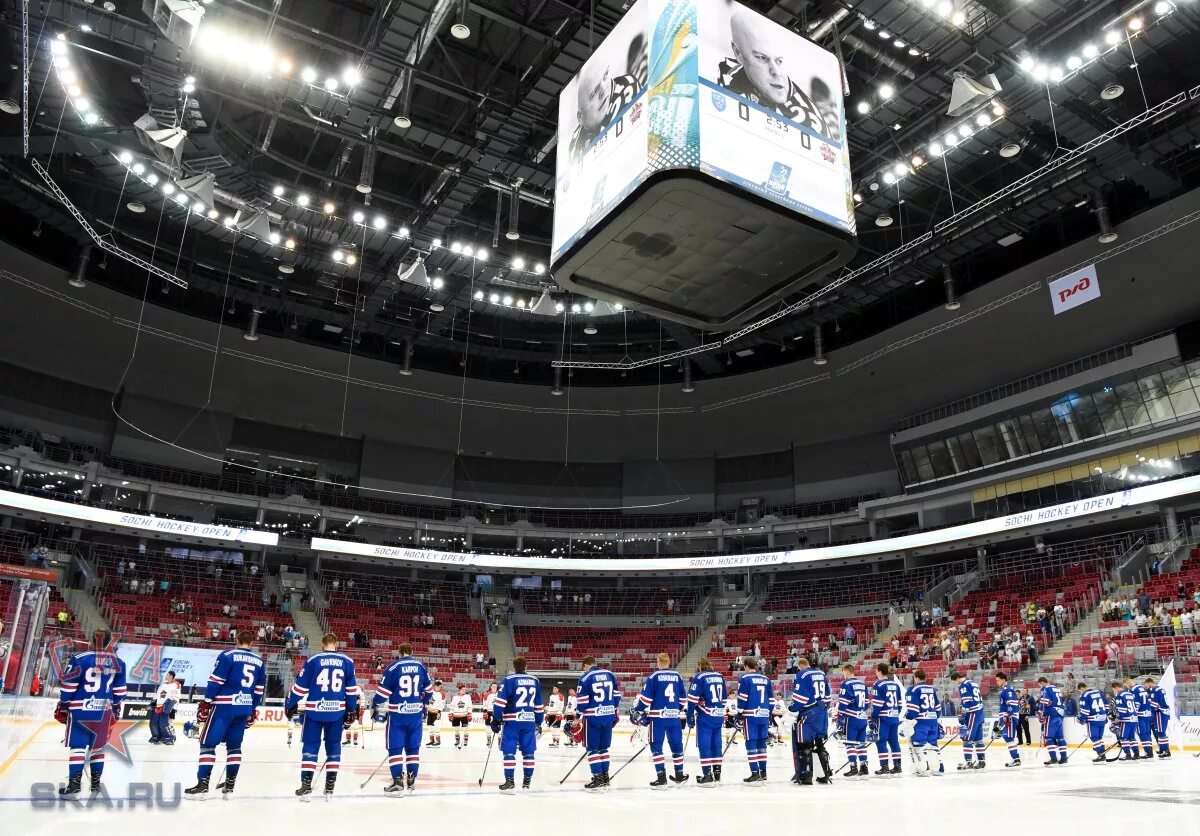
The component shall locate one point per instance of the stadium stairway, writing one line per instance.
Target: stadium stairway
(698, 650)
(1089, 624)
(503, 648)
(308, 624)
(87, 614)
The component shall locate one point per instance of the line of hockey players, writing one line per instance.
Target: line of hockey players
(327, 696)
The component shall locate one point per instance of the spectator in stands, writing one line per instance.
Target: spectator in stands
(133, 585)
(1176, 624)
(964, 645)
(224, 609)
(670, 605)
(937, 615)
(254, 570)
(286, 606)
(262, 633)
(164, 586)
(266, 599)
(120, 568)
(63, 618)
(225, 633)
(233, 610)
(849, 634)
(215, 634)
(1112, 654)
(1187, 623)
(1031, 648)
(1144, 603)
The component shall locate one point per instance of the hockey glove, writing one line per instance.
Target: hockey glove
(348, 720)
(380, 715)
(496, 726)
(576, 731)
(289, 711)
(635, 717)
(204, 711)
(61, 713)
(691, 721)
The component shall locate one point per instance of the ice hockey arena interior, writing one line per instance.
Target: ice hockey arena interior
(602, 415)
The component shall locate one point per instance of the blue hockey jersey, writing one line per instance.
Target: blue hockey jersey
(1158, 700)
(1092, 706)
(1142, 697)
(970, 700)
(852, 699)
(1050, 703)
(326, 687)
(886, 698)
(237, 681)
(754, 695)
(597, 693)
(519, 700)
(405, 687)
(810, 693)
(662, 695)
(1126, 706)
(706, 695)
(1010, 703)
(92, 683)
(923, 702)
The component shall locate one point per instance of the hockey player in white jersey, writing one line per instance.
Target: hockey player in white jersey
(460, 716)
(554, 715)
(570, 715)
(489, 702)
(433, 719)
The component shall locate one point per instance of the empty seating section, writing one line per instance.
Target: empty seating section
(626, 650)
(203, 587)
(391, 611)
(1164, 588)
(626, 601)
(815, 593)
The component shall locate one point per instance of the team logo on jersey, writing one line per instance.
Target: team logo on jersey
(718, 100)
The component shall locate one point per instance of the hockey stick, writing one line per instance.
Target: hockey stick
(572, 769)
(736, 729)
(488, 759)
(631, 760)
(374, 772)
(948, 742)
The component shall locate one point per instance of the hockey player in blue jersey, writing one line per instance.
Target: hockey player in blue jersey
(924, 708)
(810, 701)
(1126, 709)
(1145, 717)
(887, 700)
(517, 716)
(234, 691)
(89, 703)
(1160, 722)
(1051, 711)
(327, 691)
(598, 700)
(754, 711)
(400, 699)
(706, 714)
(1093, 715)
(660, 707)
(852, 711)
(1009, 707)
(970, 721)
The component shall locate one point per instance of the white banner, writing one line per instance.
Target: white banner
(147, 664)
(141, 522)
(1074, 289)
(1068, 510)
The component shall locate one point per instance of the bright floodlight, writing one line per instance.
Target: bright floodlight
(328, 208)
(358, 217)
(494, 298)
(338, 255)
(518, 263)
(198, 208)
(438, 282)
(863, 107)
(302, 200)
(168, 188)
(481, 254)
(277, 191)
(308, 75)
(331, 84)
(1090, 51)
(351, 76)
(380, 222)
(125, 157)
(886, 91)
(402, 232)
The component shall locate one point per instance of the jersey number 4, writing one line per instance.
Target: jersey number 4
(330, 680)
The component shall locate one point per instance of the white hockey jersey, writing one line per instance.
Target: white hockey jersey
(555, 706)
(460, 705)
(437, 702)
(571, 706)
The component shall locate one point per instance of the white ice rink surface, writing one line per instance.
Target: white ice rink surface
(1155, 797)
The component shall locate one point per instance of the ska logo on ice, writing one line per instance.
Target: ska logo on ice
(139, 795)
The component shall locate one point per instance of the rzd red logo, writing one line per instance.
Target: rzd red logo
(1081, 285)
